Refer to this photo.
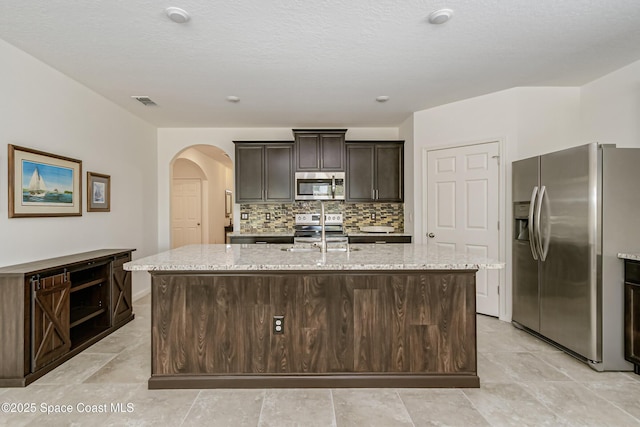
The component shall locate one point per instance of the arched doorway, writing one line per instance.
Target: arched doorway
(201, 179)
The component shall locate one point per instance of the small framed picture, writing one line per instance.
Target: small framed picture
(43, 184)
(98, 192)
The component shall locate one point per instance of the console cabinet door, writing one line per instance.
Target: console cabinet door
(249, 173)
(121, 297)
(50, 310)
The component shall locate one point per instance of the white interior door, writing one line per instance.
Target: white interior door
(186, 212)
(462, 195)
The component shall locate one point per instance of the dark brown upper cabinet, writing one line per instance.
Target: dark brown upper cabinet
(375, 171)
(319, 149)
(264, 171)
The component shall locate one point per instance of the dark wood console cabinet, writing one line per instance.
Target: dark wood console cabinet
(51, 310)
(632, 313)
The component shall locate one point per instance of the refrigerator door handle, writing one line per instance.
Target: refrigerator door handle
(532, 232)
(542, 251)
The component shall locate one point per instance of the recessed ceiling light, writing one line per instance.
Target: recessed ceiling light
(232, 98)
(382, 98)
(177, 15)
(440, 16)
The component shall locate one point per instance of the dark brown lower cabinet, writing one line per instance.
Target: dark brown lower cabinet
(340, 329)
(632, 313)
(51, 310)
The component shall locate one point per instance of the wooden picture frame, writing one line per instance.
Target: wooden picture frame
(98, 192)
(228, 203)
(43, 184)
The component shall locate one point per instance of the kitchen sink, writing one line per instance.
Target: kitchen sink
(317, 249)
(294, 249)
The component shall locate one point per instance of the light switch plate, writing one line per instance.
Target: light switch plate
(244, 215)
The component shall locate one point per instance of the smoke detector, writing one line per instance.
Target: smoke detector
(440, 16)
(177, 15)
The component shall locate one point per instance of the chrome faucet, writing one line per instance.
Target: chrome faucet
(323, 238)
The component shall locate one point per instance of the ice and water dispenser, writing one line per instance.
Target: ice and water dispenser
(521, 220)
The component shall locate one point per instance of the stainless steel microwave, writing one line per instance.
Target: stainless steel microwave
(319, 185)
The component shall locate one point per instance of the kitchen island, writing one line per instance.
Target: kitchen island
(246, 316)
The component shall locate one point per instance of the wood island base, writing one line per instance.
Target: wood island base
(340, 329)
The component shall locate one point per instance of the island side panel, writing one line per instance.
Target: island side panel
(335, 323)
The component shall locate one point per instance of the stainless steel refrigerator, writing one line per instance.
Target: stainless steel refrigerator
(574, 210)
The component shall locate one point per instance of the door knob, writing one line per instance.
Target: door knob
(431, 235)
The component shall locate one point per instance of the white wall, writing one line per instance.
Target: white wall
(171, 141)
(405, 132)
(526, 122)
(611, 108)
(43, 109)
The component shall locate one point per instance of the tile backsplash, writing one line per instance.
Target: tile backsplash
(355, 215)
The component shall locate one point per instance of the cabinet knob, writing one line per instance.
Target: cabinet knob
(431, 235)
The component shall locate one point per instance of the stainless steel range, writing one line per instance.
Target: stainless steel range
(308, 228)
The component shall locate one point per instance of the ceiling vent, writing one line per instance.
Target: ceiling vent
(145, 100)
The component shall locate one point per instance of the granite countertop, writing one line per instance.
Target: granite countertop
(631, 256)
(272, 257)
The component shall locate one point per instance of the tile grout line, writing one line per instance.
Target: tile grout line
(264, 398)
(333, 408)
(190, 408)
(614, 404)
(475, 408)
(405, 407)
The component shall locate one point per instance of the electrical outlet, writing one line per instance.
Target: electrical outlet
(373, 216)
(244, 215)
(278, 325)
(267, 216)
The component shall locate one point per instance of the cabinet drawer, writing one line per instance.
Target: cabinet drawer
(632, 271)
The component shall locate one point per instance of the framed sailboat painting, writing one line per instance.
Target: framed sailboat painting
(43, 184)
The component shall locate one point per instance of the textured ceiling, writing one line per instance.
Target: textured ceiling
(299, 63)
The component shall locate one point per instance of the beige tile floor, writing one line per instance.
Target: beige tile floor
(523, 382)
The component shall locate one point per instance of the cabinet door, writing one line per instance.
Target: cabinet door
(389, 170)
(121, 297)
(360, 172)
(308, 152)
(50, 310)
(249, 173)
(279, 173)
(332, 152)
